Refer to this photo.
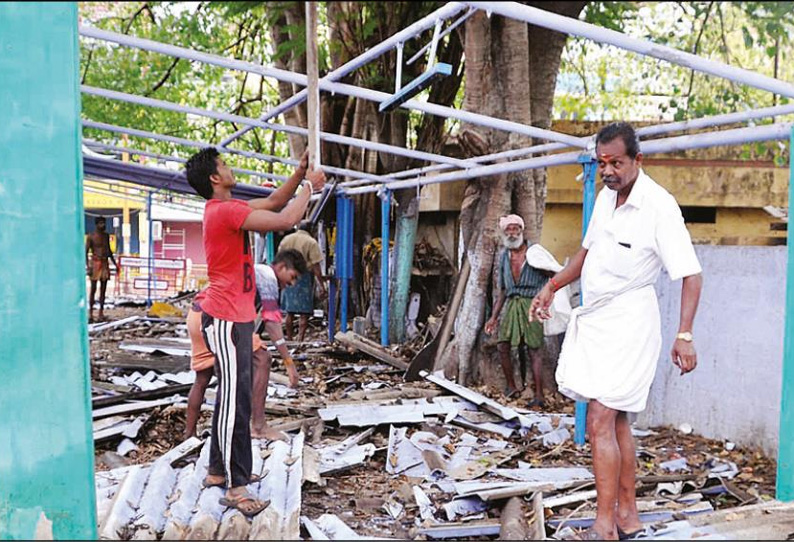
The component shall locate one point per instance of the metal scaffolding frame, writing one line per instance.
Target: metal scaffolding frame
(441, 168)
(470, 168)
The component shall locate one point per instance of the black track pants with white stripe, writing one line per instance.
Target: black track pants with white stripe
(230, 451)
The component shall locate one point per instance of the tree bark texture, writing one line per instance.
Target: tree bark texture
(510, 72)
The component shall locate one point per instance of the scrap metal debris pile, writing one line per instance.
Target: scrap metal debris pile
(370, 456)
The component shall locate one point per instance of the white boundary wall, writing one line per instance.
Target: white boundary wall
(734, 394)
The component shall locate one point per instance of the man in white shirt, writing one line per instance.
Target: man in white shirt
(614, 340)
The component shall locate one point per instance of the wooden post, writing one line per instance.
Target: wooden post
(312, 74)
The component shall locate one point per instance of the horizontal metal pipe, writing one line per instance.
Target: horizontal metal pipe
(736, 136)
(140, 152)
(694, 124)
(716, 120)
(448, 10)
(190, 143)
(328, 86)
(228, 117)
(537, 149)
(547, 19)
(481, 171)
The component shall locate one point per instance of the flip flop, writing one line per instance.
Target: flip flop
(587, 534)
(645, 532)
(248, 510)
(252, 480)
(510, 394)
(536, 403)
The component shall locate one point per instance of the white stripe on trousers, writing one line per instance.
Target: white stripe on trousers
(227, 413)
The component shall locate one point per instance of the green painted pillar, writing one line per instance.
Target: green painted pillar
(785, 454)
(404, 242)
(46, 446)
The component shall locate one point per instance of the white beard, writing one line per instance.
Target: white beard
(512, 243)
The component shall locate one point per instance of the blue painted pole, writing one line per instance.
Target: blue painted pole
(385, 209)
(589, 167)
(336, 282)
(785, 455)
(151, 251)
(344, 287)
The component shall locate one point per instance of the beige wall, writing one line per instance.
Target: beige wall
(737, 184)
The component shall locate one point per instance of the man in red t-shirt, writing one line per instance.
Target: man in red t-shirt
(228, 312)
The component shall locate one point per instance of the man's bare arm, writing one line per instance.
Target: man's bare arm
(683, 353)
(281, 196)
(263, 220)
(274, 331)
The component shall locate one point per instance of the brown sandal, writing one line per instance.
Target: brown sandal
(246, 504)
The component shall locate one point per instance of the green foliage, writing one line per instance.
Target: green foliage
(231, 29)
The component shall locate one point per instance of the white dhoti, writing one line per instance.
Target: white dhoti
(611, 349)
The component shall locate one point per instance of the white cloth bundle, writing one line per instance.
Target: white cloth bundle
(540, 258)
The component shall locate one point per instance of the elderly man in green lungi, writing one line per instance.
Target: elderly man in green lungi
(518, 282)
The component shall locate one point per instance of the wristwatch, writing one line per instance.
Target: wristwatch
(685, 336)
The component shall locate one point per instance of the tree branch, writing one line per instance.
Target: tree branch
(694, 52)
(163, 79)
(88, 64)
(144, 7)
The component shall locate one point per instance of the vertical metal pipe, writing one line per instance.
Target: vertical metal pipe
(151, 251)
(335, 282)
(589, 168)
(345, 281)
(385, 209)
(398, 78)
(785, 455)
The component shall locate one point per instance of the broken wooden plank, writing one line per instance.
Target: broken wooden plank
(99, 402)
(365, 345)
(166, 364)
(133, 407)
(513, 523)
(539, 517)
(488, 427)
(110, 387)
(292, 425)
(380, 395)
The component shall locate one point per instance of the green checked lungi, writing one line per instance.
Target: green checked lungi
(516, 327)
